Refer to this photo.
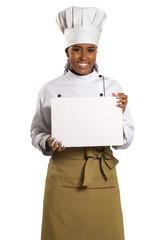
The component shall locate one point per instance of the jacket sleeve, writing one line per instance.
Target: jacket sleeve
(41, 125)
(128, 126)
(128, 130)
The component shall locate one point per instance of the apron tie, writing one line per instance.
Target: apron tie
(107, 163)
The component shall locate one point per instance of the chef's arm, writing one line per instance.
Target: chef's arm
(41, 126)
(128, 130)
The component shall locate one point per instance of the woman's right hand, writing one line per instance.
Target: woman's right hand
(55, 145)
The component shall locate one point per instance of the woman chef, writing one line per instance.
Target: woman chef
(81, 199)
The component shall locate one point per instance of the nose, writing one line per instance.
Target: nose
(83, 56)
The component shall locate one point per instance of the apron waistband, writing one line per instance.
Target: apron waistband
(104, 154)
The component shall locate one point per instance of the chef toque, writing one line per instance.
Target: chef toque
(81, 25)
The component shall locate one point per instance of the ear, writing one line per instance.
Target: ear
(66, 51)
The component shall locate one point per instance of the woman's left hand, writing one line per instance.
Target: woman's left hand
(123, 100)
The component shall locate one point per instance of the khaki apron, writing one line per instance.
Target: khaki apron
(81, 199)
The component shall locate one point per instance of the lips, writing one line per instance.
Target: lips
(83, 65)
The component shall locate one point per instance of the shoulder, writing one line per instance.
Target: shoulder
(52, 84)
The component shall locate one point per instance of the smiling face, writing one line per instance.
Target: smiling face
(82, 58)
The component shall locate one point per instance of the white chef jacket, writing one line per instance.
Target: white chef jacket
(73, 85)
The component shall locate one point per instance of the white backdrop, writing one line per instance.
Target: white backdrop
(31, 54)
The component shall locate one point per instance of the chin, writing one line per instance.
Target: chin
(83, 71)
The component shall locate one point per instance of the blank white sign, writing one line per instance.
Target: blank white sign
(89, 121)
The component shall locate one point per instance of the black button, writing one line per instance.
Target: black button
(100, 76)
(101, 94)
(59, 95)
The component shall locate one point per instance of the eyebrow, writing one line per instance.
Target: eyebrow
(81, 47)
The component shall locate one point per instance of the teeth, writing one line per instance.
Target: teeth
(83, 64)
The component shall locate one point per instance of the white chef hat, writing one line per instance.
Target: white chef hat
(81, 25)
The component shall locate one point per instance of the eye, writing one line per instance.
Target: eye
(91, 50)
(76, 50)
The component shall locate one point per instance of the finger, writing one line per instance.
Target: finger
(55, 145)
(123, 101)
(121, 106)
(63, 148)
(121, 95)
(52, 140)
(113, 94)
(59, 149)
(49, 140)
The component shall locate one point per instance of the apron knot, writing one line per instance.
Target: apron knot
(107, 163)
